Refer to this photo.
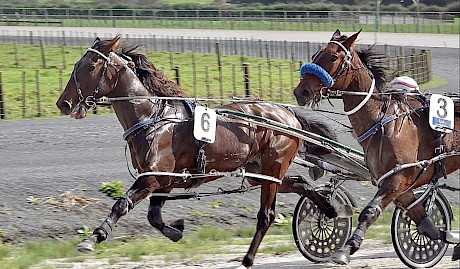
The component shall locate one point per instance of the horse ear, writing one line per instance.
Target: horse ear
(336, 35)
(351, 40)
(96, 40)
(112, 45)
(115, 44)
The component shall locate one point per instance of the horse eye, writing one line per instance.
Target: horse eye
(334, 58)
(91, 68)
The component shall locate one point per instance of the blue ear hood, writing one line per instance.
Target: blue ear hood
(317, 71)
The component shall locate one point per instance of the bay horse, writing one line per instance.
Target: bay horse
(393, 130)
(159, 132)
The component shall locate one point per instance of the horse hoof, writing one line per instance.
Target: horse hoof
(243, 267)
(171, 233)
(178, 224)
(86, 246)
(340, 257)
(456, 254)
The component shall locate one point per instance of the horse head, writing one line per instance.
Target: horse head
(328, 70)
(95, 75)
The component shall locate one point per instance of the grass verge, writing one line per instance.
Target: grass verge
(202, 241)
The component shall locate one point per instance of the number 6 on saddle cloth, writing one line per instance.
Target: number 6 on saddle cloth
(204, 128)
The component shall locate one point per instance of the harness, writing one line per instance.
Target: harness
(90, 100)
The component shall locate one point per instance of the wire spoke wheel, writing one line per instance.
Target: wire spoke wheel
(413, 248)
(316, 236)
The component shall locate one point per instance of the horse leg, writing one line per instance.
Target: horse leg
(385, 195)
(138, 191)
(265, 218)
(172, 231)
(418, 214)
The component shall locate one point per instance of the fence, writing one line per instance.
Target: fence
(429, 22)
(34, 78)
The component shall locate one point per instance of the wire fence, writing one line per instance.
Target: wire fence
(265, 69)
(385, 21)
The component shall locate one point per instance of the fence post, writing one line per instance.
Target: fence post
(60, 81)
(280, 74)
(413, 65)
(42, 48)
(261, 50)
(219, 66)
(206, 78)
(31, 37)
(270, 81)
(429, 67)
(171, 60)
(246, 80)
(2, 108)
(285, 45)
(16, 55)
(194, 75)
(24, 94)
(177, 74)
(234, 79)
(400, 65)
(259, 74)
(39, 101)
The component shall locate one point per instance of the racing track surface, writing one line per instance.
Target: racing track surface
(51, 170)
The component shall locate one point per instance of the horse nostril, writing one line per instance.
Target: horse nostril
(65, 106)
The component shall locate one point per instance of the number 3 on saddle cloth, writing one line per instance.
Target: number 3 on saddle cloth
(441, 114)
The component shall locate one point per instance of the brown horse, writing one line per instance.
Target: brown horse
(399, 131)
(159, 132)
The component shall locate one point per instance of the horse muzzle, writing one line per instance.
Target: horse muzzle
(65, 106)
(76, 112)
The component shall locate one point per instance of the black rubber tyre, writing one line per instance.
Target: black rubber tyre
(316, 236)
(414, 249)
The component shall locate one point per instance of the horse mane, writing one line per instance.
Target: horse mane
(153, 79)
(374, 61)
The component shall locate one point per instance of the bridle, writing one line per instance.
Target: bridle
(90, 100)
(328, 80)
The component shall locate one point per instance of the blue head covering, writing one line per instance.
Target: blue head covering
(317, 71)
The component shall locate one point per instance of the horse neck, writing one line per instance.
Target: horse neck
(130, 112)
(370, 113)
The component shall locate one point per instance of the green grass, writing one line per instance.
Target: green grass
(294, 25)
(195, 244)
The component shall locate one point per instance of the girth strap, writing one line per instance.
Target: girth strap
(137, 126)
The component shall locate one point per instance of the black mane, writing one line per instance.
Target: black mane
(374, 61)
(151, 77)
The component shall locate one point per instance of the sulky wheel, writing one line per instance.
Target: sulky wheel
(315, 235)
(414, 249)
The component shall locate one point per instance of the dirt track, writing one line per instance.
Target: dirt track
(52, 168)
